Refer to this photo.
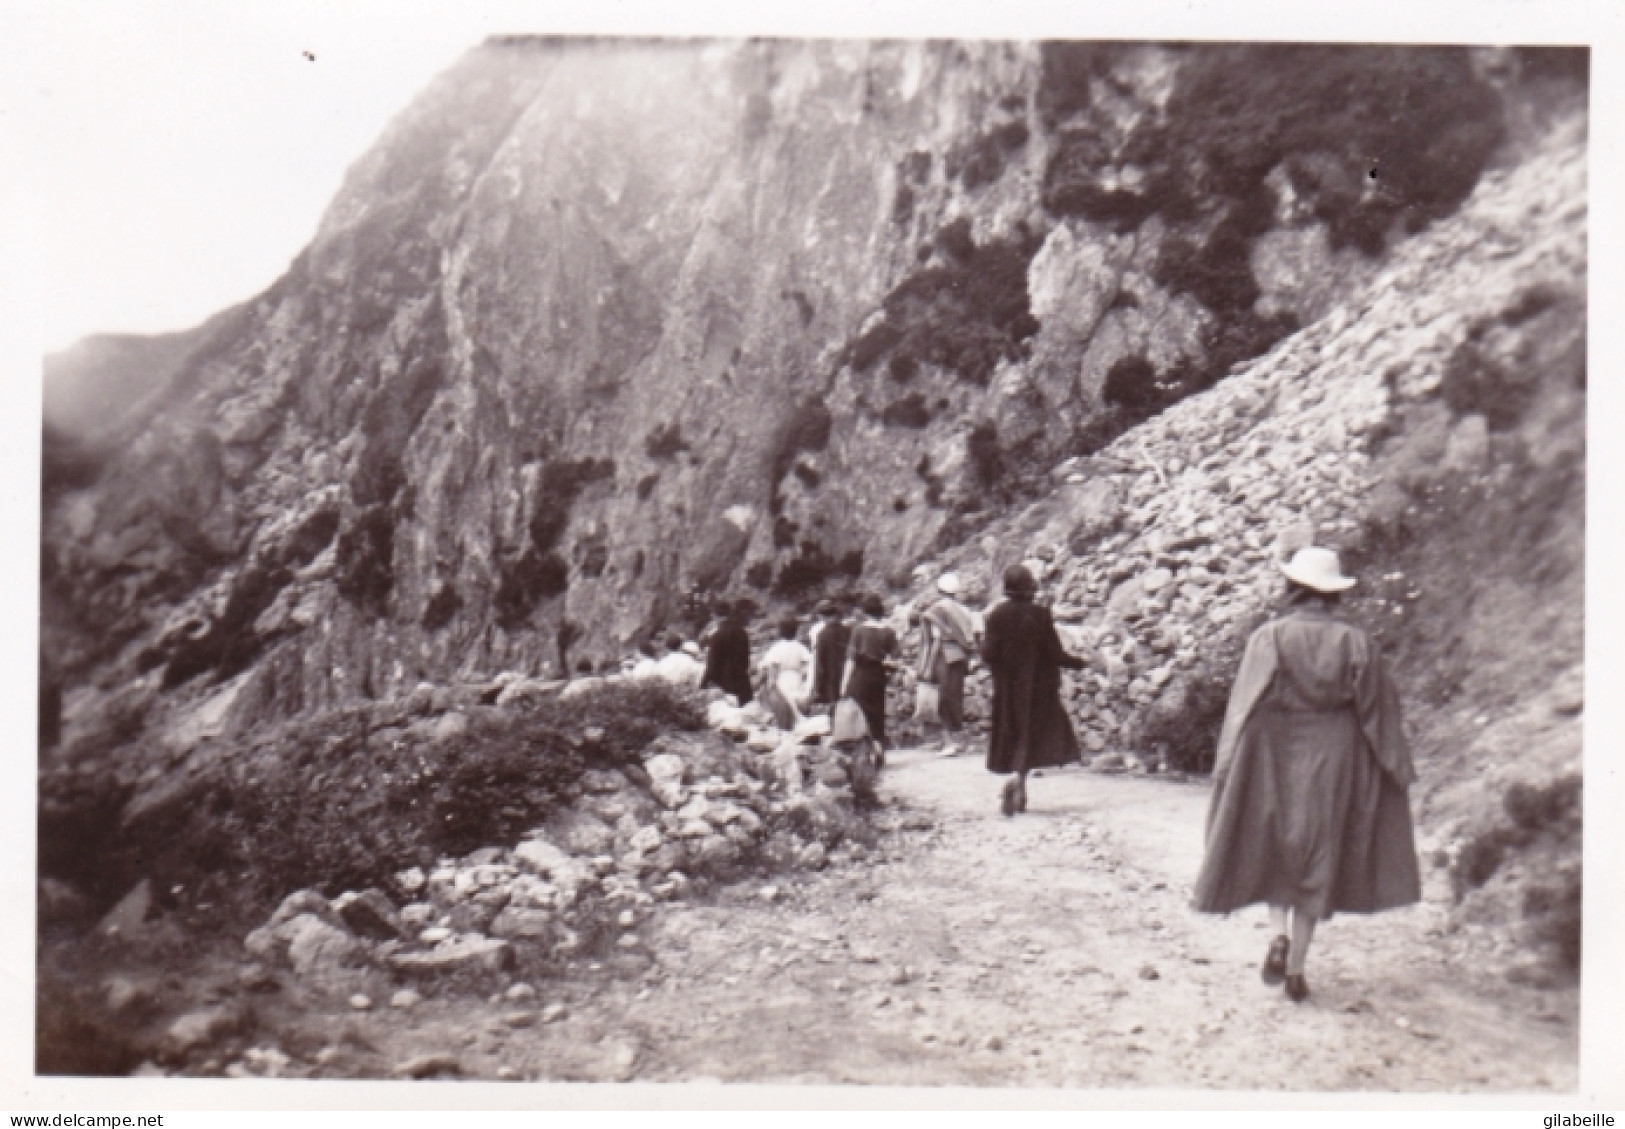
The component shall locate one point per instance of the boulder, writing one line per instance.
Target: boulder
(127, 917)
(199, 1028)
(370, 914)
(515, 922)
(489, 953)
(666, 767)
(579, 833)
(322, 955)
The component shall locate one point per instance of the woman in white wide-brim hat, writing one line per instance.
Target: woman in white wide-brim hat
(1310, 813)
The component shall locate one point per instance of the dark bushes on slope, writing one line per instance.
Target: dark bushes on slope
(964, 314)
(346, 799)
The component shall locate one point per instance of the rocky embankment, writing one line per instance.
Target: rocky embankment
(690, 812)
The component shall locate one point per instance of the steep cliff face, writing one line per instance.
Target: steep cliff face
(600, 325)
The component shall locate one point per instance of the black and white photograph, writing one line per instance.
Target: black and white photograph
(1040, 563)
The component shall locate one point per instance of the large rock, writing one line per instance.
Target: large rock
(491, 954)
(321, 955)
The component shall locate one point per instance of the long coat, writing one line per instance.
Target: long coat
(1024, 654)
(727, 662)
(1309, 803)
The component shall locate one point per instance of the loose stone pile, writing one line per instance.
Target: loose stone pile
(700, 807)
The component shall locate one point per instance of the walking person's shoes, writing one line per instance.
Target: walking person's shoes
(1297, 988)
(1274, 970)
(1007, 799)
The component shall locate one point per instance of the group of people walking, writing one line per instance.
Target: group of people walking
(1309, 813)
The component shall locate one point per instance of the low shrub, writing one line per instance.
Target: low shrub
(344, 800)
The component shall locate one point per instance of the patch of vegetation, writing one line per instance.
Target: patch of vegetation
(909, 411)
(964, 314)
(806, 430)
(760, 575)
(442, 606)
(561, 482)
(933, 482)
(665, 441)
(981, 161)
(594, 559)
(812, 567)
(810, 478)
(646, 486)
(1066, 70)
(1552, 809)
(525, 581)
(229, 644)
(982, 445)
(364, 561)
(784, 532)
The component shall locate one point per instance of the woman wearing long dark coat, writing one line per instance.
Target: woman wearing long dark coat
(869, 653)
(727, 658)
(1023, 653)
(1309, 810)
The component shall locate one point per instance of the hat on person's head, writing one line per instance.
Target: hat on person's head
(1018, 581)
(948, 584)
(873, 605)
(1318, 569)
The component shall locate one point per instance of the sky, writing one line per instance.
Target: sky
(188, 150)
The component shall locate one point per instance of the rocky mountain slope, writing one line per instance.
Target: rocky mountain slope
(601, 326)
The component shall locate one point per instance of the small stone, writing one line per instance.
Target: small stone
(520, 992)
(429, 1065)
(627, 919)
(1149, 972)
(552, 1013)
(405, 999)
(434, 935)
(359, 1002)
(628, 941)
(520, 1019)
(994, 1043)
(198, 1027)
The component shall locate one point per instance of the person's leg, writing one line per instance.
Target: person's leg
(1275, 959)
(1303, 931)
(1278, 921)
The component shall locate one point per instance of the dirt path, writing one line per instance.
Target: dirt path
(1052, 949)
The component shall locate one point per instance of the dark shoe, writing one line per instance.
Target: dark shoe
(1274, 970)
(1021, 797)
(1297, 988)
(1007, 799)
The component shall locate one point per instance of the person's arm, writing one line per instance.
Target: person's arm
(1055, 651)
(1377, 702)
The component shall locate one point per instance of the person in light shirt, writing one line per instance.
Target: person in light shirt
(785, 667)
(681, 666)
